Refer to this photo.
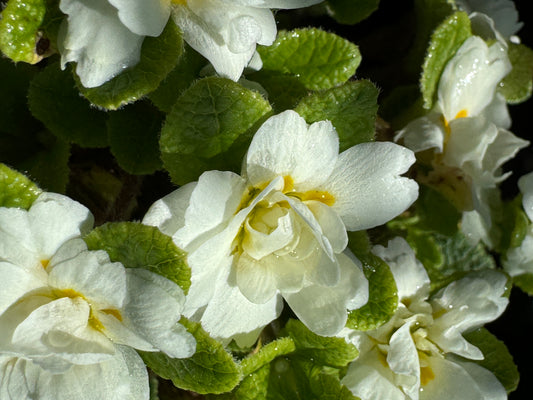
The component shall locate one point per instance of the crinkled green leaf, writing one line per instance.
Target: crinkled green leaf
(459, 257)
(518, 85)
(382, 291)
(178, 80)
(427, 251)
(515, 224)
(267, 353)
(141, 246)
(351, 108)
(15, 189)
(319, 59)
(329, 351)
(445, 220)
(524, 282)
(47, 164)
(351, 11)
(210, 370)
(134, 137)
(54, 100)
(19, 29)
(284, 91)
(254, 386)
(159, 56)
(207, 120)
(445, 42)
(497, 359)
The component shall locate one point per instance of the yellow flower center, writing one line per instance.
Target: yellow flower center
(318, 195)
(179, 2)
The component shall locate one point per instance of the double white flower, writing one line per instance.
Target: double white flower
(279, 231)
(467, 130)
(70, 318)
(105, 36)
(414, 355)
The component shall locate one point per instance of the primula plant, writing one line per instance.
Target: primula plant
(263, 199)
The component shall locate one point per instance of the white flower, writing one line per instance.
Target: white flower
(105, 36)
(502, 12)
(467, 129)
(519, 260)
(280, 230)
(415, 355)
(69, 317)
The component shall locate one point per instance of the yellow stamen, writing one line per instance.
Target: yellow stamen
(45, 263)
(461, 114)
(114, 313)
(288, 184)
(179, 2)
(322, 196)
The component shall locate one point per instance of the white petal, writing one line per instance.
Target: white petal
(332, 226)
(153, 308)
(91, 274)
(423, 133)
(281, 4)
(87, 41)
(497, 112)
(464, 305)
(368, 379)
(143, 17)
(403, 360)
(254, 279)
(519, 260)
(503, 12)
(453, 381)
(525, 183)
(168, 213)
(210, 44)
(409, 274)
(285, 146)
(17, 245)
(504, 147)
(470, 78)
(16, 282)
(488, 384)
(324, 309)
(367, 187)
(213, 202)
(229, 313)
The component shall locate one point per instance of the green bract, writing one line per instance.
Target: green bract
(159, 56)
(15, 189)
(208, 118)
(140, 246)
(445, 41)
(351, 108)
(320, 60)
(210, 370)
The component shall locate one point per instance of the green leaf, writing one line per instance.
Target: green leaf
(518, 85)
(515, 225)
(497, 359)
(319, 59)
(351, 11)
(267, 353)
(54, 100)
(445, 221)
(524, 282)
(134, 138)
(19, 29)
(445, 42)
(329, 351)
(284, 91)
(141, 246)
(178, 80)
(351, 108)
(207, 120)
(427, 251)
(47, 165)
(159, 56)
(15, 189)
(382, 291)
(210, 370)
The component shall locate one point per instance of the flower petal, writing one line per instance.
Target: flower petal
(281, 4)
(464, 305)
(423, 133)
(17, 281)
(525, 183)
(403, 360)
(285, 146)
(255, 279)
(504, 147)
(86, 41)
(168, 213)
(145, 18)
(367, 187)
(324, 309)
(330, 222)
